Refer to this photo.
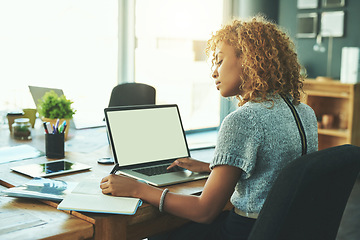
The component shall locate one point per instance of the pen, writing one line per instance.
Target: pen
(57, 125)
(48, 127)
(62, 127)
(46, 131)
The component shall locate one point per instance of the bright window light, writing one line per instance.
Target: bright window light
(171, 38)
(67, 44)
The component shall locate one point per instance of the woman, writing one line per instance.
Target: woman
(256, 62)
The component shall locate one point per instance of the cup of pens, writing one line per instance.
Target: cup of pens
(62, 124)
(55, 139)
(55, 145)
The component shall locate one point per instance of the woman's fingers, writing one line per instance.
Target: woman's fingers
(175, 163)
(191, 164)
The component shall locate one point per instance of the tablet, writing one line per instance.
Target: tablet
(50, 168)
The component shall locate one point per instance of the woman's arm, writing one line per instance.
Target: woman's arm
(204, 208)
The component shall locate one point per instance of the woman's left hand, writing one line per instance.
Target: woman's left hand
(119, 185)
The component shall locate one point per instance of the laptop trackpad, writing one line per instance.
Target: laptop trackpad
(177, 177)
(185, 173)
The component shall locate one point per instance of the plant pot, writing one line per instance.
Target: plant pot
(53, 122)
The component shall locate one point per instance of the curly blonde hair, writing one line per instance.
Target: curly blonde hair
(270, 62)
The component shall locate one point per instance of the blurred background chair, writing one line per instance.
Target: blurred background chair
(132, 94)
(126, 94)
(309, 196)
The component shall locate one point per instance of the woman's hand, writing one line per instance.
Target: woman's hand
(119, 185)
(191, 164)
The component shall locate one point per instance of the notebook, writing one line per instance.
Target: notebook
(87, 197)
(80, 120)
(148, 138)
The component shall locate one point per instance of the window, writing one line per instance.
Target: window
(74, 45)
(170, 42)
(67, 44)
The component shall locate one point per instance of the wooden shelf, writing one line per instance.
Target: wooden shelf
(328, 94)
(340, 100)
(344, 133)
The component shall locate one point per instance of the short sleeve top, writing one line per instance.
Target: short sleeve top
(261, 138)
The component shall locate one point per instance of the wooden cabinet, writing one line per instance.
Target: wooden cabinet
(337, 108)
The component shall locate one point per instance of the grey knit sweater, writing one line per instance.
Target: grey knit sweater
(261, 140)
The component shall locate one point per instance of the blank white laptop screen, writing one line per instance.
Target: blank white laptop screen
(146, 135)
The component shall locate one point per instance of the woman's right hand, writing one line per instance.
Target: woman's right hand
(191, 164)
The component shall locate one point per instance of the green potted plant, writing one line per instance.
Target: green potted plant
(52, 107)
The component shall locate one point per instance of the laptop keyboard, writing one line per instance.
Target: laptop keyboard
(157, 170)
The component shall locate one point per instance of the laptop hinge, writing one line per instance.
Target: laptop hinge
(115, 169)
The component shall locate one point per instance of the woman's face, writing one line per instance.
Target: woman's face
(227, 72)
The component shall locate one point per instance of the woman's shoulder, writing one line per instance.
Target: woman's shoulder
(260, 111)
(305, 107)
(244, 111)
(244, 116)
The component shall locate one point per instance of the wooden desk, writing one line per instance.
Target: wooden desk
(31, 219)
(146, 222)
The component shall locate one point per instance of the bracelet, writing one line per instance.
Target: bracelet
(162, 198)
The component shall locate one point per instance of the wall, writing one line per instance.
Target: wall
(248, 8)
(315, 62)
(284, 13)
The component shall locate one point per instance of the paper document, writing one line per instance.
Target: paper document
(87, 197)
(20, 152)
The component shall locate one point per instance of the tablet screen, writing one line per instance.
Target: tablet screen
(50, 168)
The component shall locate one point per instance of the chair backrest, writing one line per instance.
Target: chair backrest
(309, 196)
(132, 94)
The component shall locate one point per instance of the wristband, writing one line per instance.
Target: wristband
(162, 198)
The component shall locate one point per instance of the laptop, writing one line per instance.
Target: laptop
(38, 92)
(80, 120)
(145, 140)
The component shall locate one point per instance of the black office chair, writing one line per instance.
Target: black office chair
(126, 94)
(132, 94)
(308, 198)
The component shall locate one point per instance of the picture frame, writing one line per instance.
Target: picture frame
(307, 4)
(332, 24)
(333, 3)
(307, 25)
